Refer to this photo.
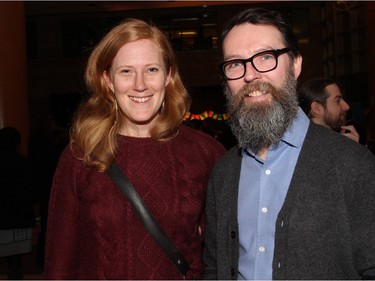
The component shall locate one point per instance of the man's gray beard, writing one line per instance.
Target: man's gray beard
(259, 125)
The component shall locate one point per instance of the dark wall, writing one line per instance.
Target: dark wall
(59, 44)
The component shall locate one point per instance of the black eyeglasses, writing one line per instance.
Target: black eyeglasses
(262, 62)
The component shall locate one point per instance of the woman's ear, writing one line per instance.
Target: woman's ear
(108, 81)
(168, 78)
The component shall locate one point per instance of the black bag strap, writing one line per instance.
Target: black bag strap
(147, 219)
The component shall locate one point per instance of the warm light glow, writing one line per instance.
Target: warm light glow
(184, 33)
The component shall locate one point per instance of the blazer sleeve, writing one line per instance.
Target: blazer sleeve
(61, 239)
(221, 247)
(362, 216)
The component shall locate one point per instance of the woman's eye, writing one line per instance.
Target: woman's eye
(125, 71)
(153, 70)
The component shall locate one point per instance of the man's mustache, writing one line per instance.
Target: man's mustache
(263, 87)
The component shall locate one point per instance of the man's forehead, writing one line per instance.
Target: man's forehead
(254, 37)
(333, 92)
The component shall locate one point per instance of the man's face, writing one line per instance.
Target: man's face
(262, 105)
(335, 108)
(245, 40)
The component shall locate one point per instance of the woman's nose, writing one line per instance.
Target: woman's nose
(139, 83)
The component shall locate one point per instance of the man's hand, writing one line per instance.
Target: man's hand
(350, 132)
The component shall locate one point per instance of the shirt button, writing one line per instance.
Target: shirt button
(268, 172)
(279, 265)
(282, 223)
(264, 210)
(233, 234)
(262, 249)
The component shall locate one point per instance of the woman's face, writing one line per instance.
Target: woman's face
(138, 77)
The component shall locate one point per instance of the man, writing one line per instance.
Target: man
(322, 101)
(293, 200)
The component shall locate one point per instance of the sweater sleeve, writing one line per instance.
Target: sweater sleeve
(61, 239)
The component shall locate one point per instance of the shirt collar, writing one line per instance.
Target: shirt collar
(296, 133)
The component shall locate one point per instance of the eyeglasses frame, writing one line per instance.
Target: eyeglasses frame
(276, 52)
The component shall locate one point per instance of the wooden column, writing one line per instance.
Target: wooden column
(13, 70)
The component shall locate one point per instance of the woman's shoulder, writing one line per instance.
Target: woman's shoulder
(69, 159)
(67, 152)
(187, 131)
(200, 139)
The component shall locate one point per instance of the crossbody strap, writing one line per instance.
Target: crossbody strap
(147, 219)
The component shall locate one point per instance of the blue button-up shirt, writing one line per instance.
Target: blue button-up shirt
(262, 190)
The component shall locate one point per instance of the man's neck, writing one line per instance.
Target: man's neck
(320, 122)
(262, 153)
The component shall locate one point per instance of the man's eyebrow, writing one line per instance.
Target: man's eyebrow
(338, 97)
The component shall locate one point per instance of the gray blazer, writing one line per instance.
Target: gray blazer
(326, 226)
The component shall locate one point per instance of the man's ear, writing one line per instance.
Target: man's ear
(297, 66)
(316, 109)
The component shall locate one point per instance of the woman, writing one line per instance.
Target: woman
(133, 118)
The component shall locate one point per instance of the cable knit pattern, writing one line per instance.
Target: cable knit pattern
(92, 230)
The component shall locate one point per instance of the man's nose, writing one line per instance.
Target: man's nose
(344, 105)
(251, 73)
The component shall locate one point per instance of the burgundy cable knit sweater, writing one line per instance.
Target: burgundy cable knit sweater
(94, 234)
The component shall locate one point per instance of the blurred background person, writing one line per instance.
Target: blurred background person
(17, 200)
(323, 102)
